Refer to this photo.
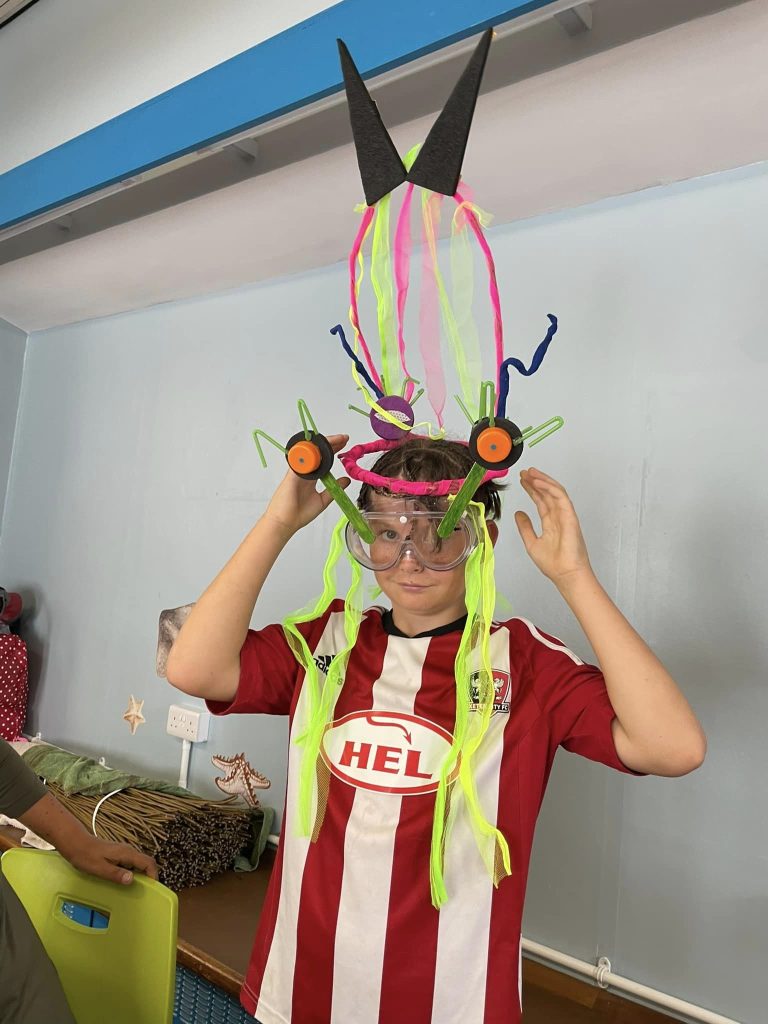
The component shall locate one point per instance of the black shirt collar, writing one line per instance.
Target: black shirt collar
(389, 627)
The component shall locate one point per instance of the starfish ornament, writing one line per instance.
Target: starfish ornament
(241, 779)
(133, 715)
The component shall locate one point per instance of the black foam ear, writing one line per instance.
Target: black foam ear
(438, 165)
(381, 169)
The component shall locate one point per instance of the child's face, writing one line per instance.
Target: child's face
(430, 596)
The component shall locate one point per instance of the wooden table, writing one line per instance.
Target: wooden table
(217, 921)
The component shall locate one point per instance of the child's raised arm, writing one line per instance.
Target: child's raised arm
(655, 729)
(205, 659)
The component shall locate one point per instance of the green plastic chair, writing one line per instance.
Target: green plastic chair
(123, 972)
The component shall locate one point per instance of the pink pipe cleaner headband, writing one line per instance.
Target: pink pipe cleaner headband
(351, 458)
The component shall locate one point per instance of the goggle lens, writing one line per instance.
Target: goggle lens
(415, 532)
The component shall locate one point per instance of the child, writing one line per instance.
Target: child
(349, 933)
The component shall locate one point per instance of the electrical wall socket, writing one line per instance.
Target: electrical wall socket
(188, 723)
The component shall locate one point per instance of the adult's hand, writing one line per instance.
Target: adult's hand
(115, 862)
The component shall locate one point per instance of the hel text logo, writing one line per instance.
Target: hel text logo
(386, 751)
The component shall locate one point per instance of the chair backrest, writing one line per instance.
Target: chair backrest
(123, 969)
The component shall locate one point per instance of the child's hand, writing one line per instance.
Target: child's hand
(560, 551)
(297, 502)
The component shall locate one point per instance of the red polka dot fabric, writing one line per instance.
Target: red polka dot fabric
(13, 686)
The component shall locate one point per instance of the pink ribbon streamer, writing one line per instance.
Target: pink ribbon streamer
(402, 275)
(429, 318)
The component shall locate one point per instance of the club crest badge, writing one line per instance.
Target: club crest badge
(502, 692)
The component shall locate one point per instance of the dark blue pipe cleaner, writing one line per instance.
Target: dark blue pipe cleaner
(338, 329)
(538, 356)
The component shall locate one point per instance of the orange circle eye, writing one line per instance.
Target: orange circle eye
(304, 457)
(494, 444)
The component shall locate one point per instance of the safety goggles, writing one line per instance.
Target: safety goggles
(395, 534)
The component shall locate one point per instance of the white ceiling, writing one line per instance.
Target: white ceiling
(675, 105)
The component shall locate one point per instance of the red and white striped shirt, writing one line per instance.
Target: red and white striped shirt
(348, 933)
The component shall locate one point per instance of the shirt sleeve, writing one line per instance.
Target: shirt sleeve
(574, 698)
(268, 676)
(20, 788)
(269, 672)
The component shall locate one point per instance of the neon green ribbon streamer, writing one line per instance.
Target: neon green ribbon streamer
(472, 658)
(321, 700)
(359, 277)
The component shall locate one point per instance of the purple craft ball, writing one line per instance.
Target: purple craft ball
(400, 409)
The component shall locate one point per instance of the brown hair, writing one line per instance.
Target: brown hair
(420, 458)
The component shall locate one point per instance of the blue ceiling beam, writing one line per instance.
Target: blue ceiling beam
(288, 71)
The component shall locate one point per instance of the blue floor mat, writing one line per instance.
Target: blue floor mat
(199, 1002)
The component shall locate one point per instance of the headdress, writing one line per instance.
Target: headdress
(495, 442)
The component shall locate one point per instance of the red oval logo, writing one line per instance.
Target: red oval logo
(387, 751)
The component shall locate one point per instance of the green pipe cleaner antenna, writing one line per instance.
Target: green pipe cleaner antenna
(473, 658)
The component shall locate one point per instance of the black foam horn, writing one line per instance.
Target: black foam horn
(438, 165)
(381, 169)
